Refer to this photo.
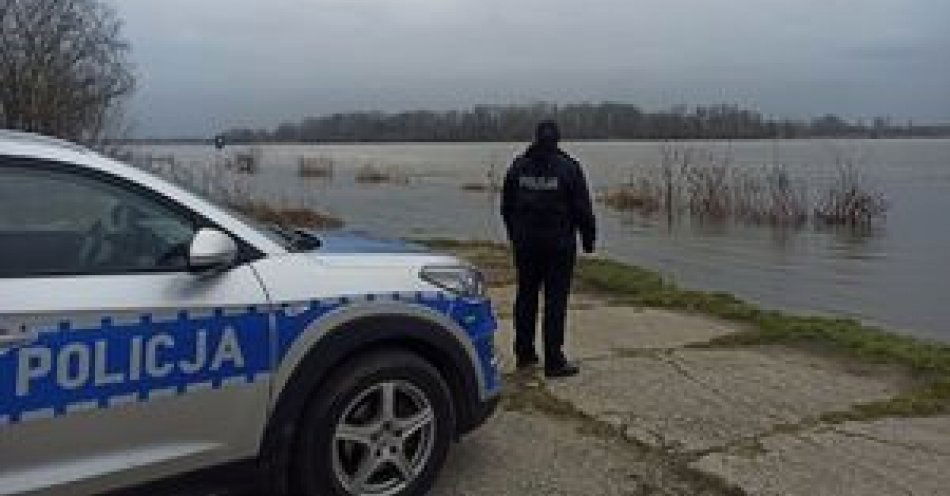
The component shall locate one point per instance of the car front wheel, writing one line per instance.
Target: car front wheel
(381, 427)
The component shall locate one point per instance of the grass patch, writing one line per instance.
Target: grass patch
(931, 398)
(865, 343)
(928, 362)
(529, 395)
(492, 258)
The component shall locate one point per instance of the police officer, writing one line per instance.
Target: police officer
(545, 204)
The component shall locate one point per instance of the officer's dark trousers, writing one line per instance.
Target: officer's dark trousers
(547, 266)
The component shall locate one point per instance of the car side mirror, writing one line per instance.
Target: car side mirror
(211, 252)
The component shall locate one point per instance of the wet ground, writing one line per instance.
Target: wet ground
(652, 413)
(656, 412)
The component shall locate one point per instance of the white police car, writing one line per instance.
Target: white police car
(146, 333)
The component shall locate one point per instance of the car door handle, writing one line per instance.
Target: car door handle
(8, 338)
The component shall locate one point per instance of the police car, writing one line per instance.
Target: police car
(146, 332)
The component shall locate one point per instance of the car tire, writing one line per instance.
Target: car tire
(381, 425)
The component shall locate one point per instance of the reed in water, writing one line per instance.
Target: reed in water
(708, 188)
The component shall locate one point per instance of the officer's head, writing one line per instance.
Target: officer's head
(547, 134)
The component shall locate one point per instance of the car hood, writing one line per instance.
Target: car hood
(349, 263)
(340, 242)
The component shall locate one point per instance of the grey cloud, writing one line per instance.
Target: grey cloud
(208, 64)
(890, 52)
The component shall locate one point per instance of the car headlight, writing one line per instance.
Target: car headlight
(461, 280)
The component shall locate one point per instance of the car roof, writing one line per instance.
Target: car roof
(34, 146)
(25, 138)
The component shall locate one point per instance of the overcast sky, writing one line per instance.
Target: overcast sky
(206, 65)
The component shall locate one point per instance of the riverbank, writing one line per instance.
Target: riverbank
(688, 392)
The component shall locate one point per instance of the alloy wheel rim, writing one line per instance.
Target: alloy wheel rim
(384, 439)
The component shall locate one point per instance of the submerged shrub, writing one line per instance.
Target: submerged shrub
(374, 174)
(317, 167)
(246, 161)
(709, 190)
(640, 195)
(850, 199)
(493, 182)
(716, 190)
(480, 187)
(226, 186)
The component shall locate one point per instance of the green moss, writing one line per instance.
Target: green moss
(527, 394)
(932, 398)
(492, 258)
(866, 343)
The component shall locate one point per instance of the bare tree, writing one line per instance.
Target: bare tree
(64, 68)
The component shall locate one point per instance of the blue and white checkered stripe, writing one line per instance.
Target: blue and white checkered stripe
(75, 367)
(475, 317)
(78, 366)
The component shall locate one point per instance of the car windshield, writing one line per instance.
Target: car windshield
(290, 238)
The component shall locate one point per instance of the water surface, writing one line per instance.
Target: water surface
(895, 274)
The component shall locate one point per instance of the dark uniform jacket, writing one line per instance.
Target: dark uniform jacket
(546, 201)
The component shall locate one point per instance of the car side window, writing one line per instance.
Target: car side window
(54, 222)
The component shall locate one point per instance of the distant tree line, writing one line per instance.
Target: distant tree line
(579, 121)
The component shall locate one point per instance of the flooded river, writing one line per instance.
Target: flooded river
(896, 274)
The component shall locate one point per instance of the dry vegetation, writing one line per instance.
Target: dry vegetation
(370, 173)
(850, 200)
(245, 161)
(492, 183)
(640, 194)
(226, 186)
(714, 189)
(287, 216)
(316, 167)
(477, 187)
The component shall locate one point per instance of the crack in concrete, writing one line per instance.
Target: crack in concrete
(684, 371)
(537, 398)
(668, 355)
(648, 437)
(889, 442)
(742, 443)
(655, 353)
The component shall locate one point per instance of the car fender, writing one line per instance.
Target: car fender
(346, 319)
(343, 334)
